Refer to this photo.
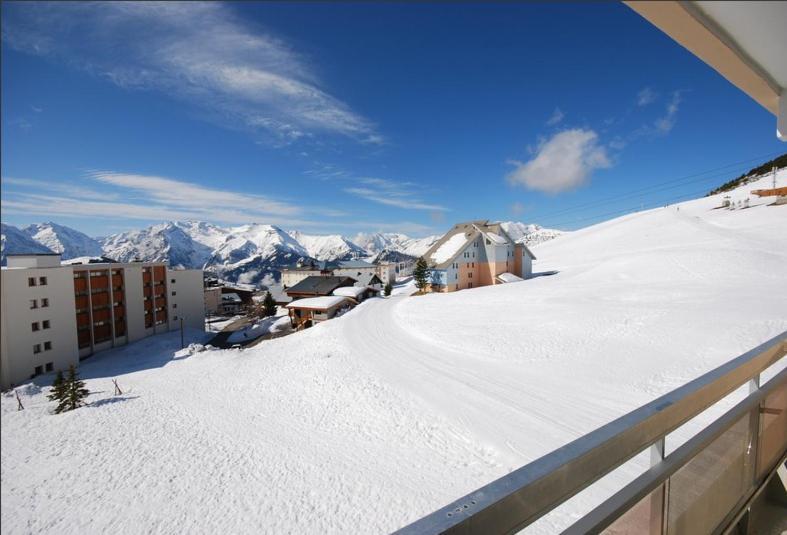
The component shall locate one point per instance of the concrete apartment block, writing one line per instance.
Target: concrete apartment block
(54, 315)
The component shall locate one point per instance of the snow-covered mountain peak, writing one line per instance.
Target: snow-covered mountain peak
(68, 242)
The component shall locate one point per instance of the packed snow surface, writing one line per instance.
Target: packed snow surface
(448, 249)
(365, 423)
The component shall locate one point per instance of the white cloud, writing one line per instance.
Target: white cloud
(562, 163)
(664, 124)
(556, 117)
(197, 52)
(646, 96)
(145, 197)
(517, 208)
(391, 193)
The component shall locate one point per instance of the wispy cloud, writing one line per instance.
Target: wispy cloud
(646, 96)
(391, 193)
(69, 188)
(517, 208)
(664, 124)
(562, 163)
(556, 117)
(198, 52)
(173, 192)
(146, 197)
(36, 109)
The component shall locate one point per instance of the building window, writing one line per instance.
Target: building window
(50, 366)
(42, 281)
(45, 324)
(44, 302)
(174, 318)
(174, 294)
(35, 326)
(33, 304)
(36, 348)
(38, 370)
(172, 281)
(47, 346)
(174, 305)
(31, 281)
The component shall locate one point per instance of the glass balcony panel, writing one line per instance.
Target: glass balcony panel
(704, 491)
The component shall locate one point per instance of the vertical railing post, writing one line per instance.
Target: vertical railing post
(658, 504)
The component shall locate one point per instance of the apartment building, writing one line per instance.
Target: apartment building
(292, 276)
(477, 253)
(54, 315)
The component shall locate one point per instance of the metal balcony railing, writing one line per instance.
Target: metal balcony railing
(704, 486)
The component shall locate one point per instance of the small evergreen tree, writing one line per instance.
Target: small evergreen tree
(58, 392)
(75, 392)
(421, 274)
(269, 305)
(388, 289)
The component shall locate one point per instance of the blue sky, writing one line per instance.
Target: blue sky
(357, 117)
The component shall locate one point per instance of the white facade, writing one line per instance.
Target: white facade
(53, 315)
(387, 272)
(186, 300)
(291, 277)
(48, 307)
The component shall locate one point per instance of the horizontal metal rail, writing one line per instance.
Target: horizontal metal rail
(521, 497)
(609, 511)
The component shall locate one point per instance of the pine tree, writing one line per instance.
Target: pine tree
(421, 274)
(269, 305)
(75, 392)
(58, 392)
(388, 289)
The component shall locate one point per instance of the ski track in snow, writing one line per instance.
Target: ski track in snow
(369, 421)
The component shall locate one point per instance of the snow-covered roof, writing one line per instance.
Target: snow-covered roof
(449, 248)
(491, 236)
(325, 301)
(509, 277)
(350, 291)
(88, 260)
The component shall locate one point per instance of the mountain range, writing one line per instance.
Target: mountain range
(251, 254)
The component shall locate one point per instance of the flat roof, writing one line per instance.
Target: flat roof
(33, 254)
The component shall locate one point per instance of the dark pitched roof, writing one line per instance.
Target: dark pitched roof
(319, 285)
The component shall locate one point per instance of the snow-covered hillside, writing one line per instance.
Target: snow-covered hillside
(369, 421)
(378, 242)
(531, 234)
(68, 242)
(330, 247)
(13, 240)
(165, 242)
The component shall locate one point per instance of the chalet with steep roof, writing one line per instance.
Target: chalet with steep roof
(477, 253)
